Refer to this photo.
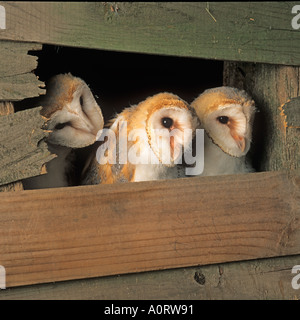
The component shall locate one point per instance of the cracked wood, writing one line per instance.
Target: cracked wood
(17, 81)
(5, 109)
(20, 155)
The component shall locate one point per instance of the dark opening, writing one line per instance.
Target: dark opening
(120, 79)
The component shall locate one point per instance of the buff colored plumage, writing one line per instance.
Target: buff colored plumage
(153, 132)
(226, 114)
(73, 119)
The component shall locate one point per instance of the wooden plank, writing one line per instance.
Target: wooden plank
(262, 279)
(276, 137)
(21, 154)
(243, 31)
(81, 232)
(5, 109)
(17, 81)
(291, 112)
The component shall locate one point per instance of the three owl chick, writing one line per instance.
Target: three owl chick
(146, 141)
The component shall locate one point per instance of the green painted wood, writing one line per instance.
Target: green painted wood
(239, 31)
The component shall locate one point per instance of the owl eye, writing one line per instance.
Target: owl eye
(223, 119)
(60, 126)
(81, 101)
(167, 122)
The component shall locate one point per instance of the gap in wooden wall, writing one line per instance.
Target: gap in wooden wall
(120, 79)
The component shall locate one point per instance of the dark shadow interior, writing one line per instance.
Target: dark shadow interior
(120, 79)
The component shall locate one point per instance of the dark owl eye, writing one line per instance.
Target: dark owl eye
(81, 101)
(60, 126)
(223, 119)
(167, 122)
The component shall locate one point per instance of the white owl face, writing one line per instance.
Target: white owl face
(156, 131)
(227, 115)
(74, 116)
(230, 129)
(169, 131)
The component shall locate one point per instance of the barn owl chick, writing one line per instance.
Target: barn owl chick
(73, 119)
(226, 114)
(146, 142)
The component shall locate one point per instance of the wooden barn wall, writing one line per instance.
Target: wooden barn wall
(241, 33)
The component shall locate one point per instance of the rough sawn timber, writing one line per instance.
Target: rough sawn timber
(22, 149)
(17, 81)
(89, 231)
(236, 31)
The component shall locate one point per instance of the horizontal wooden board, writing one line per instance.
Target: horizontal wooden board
(17, 81)
(81, 232)
(239, 31)
(21, 155)
(263, 279)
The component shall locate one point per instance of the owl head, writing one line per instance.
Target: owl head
(227, 115)
(72, 115)
(157, 129)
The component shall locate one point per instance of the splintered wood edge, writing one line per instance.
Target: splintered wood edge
(27, 156)
(7, 107)
(21, 82)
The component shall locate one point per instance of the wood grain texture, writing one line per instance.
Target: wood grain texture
(81, 232)
(243, 31)
(291, 112)
(263, 279)
(17, 81)
(272, 87)
(5, 109)
(20, 155)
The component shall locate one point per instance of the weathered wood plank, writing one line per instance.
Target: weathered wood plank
(20, 155)
(81, 232)
(272, 87)
(17, 81)
(5, 109)
(239, 31)
(262, 279)
(291, 112)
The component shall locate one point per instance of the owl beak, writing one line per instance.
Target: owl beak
(240, 141)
